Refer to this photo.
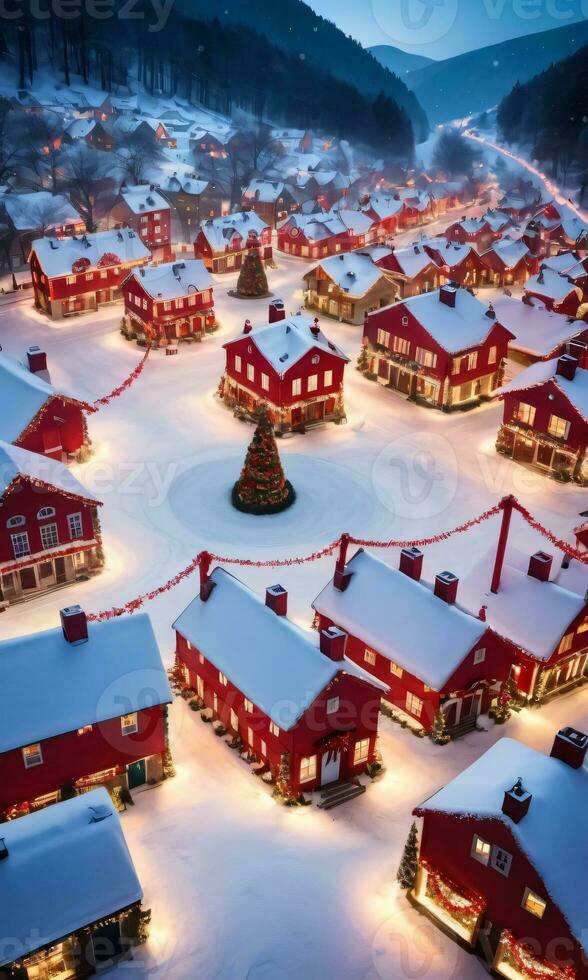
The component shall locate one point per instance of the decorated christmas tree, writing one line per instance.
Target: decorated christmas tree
(439, 733)
(252, 278)
(502, 710)
(262, 487)
(407, 869)
(363, 361)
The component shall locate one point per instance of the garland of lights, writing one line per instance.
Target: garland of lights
(532, 967)
(440, 886)
(116, 392)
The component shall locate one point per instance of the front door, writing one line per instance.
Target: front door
(137, 773)
(330, 767)
(60, 570)
(28, 579)
(106, 942)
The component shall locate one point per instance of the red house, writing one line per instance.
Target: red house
(37, 416)
(443, 348)
(473, 231)
(49, 529)
(317, 235)
(556, 292)
(507, 263)
(74, 275)
(414, 269)
(458, 263)
(437, 659)
(222, 243)
(292, 367)
(570, 264)
(510, 884)
(545, 421)
(311, 712)
(85, 707)
(552, 229)
(172, 301)
(385, 212)
(143, 209)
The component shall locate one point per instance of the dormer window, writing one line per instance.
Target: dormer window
(45, 513)
(17, 521)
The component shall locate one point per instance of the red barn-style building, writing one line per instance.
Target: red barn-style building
(49, 530)
(316, 235)
(172, 301)
(386, 213)
(457, 263)
(143, 209)
(443, 348)
(37, 416)
(414, 269)
(502, 861)
(74, 275)
(313, 712)
(222, 243)
(507, 263)
(292, 367)
(472, 231)
(555, 291)
(437, 659)
(545, 421)
(85, 706)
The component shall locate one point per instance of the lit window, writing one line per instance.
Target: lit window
(332, 706)
(201, 657)
(533, 903)
(128, 723)
(222, 678)
(472, 360)
(383, 337)
(481, 849)
(479, 656)
(456, 365)
(104, 274)
(265, 382)
(250, 372)
(361, 751)
(20, 544)
(492, 355)
(328, 379)
(32, 756)
(167, 305)
(369, 657)
(400, 344)
(297, 386)
(84, 730)
(49, 536)
(263, 749)
(74, 523)
(312, 383)
(248, 705)
(46, 512)
(237, 363)
(234, 721)
(274, 729)
(566, 643)
(525, 413)
(426, 357)
(308, 769)
(250, 737)
(395, 669)
(17, 521)
(71, 280)
(414, 705)
(558, 428)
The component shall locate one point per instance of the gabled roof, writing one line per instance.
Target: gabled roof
(454, 328)
(471, 226)
(219, 231)
(22, 395)
(68, 866)
(268, 658)
(552, 834)
(411, 261)
(57, 255)
(170, 280)
(402, 619)
(141, 199)
(497, 219)
(561, 263)
(536, 330)
(450, 253)
(353, 272)
(576, 391)
(508, 252)
(40, 210)
(552, 285)
(383, 207)
(285, 342)
(16, 462)
(52, 687)
(265, 191)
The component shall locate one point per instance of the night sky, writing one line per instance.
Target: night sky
(442, 28)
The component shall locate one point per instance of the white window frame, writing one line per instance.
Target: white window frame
(401, 345)
(250, 737)
(479, 655)
(234, 721)
(553, 424)
(328, 379)
(396, 669)
(427, 358)
(361, 751)
(481, 850)
(34, 758)
(237, 364)
(312, 383)
(525, 413)
(530, 894)
(414, 704)
(265, 381)
(472, 360)
(274, 729)
(248, 705)
(566, 643)
(504, 857)
(308, 769)
(369, 656)
(129, 723)
(223, 679)
(296, 386)
(45, 513)
(250, 372)
(17, 521)
(492, 355)
(383, 337)
(49, 536)
(332, 706)
(75, 518)
(20, 544)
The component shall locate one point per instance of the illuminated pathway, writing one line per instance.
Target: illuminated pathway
(552, 188)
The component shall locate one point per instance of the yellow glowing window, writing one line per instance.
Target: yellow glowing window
(534, 904)
(308, 769)
(128, 723)
(481, 849)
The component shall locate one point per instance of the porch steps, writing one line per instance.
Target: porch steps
(463, 727)
(337, 793)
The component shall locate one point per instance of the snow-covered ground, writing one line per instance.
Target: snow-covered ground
(240, 887)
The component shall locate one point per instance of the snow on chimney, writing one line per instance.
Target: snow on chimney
(566, 367)
(579, 350)
(206, 583)
(446, 587)
(447, 295)
(411, 563)
(37, 360)
(333, 642)
(276, 598)
(74, 625)
(540, 566)
(516, 801)
(247, 327)
(315, 328)
(570, 746)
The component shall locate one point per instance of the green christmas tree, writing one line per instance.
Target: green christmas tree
(502, 710)
(363, 361)
(407, 869)
(262, 487)
(252, 278)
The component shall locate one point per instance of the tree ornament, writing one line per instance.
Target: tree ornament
(262, 487)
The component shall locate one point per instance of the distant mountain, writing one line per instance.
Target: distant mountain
(296, 29)
(398, 61)
(479, 79)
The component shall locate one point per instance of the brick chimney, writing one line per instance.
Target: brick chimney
(74, 625)
(411, 563)
(315, 328)
(446, 587)
(516, 801)
(447, 295)
(579, 350)
(566, 367)
(247, 327)
(333, 642)
(37, 360)
(276, 598)
(570, 746)
(540, 566)
(206, 583)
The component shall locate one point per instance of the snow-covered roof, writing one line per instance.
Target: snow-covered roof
(357, 222)
(22, 395)
(553, 832)
(457, 328)
(509, 252)
(57, 255)
(173, 279)
(15, 462)
(549, 607)
(561, 263)
(176, 182)
(353, 272)
(265, 191)
(413, 260)
(40, 210)
(219, 231)
(451, 253)
(267, 657)
(52, 687)
(383, 206)
(497, 219)
(68, 866)
(471, 226)
(576, 391)
(283, 343)
(574, 229)
(80, 128)
(537, 331)
(141, 199)
(552, 285)
(402, 619)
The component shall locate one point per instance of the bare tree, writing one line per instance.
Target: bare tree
(136, 153)
(42, 152)
(87, 175)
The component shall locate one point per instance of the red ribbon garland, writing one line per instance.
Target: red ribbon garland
(135, 604)
(435, 879)
(116, 392)
(549, 972)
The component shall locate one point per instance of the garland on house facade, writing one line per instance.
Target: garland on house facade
(532, 967)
